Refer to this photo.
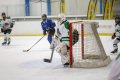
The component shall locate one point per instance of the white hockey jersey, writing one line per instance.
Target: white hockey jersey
(6, 23)
(57, 30)
(115, 71)
(117, 29)
(64, 32)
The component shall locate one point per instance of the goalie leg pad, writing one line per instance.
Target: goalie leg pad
(63, 52)
(63, 48)
(65, 58)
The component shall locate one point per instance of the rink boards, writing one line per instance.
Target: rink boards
(33, 28)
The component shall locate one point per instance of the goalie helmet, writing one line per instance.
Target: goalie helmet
(62, 16)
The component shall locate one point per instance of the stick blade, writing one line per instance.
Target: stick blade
(25, 50)
(47, 60)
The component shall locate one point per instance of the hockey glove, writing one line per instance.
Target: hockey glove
(11, 25)
(113, 36)
(2, 30)
(58, 32)
(50, 29)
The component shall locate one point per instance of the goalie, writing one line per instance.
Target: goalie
(116, 34)
(61, 42)
(6, 28)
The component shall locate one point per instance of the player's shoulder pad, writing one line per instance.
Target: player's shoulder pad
(66, 24)
(49, 20)
(8, 17)
(42, 24)
(118, 24)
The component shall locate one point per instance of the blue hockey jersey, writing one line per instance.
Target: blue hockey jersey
(48, 23)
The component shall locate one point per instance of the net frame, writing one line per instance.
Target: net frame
(105, 60)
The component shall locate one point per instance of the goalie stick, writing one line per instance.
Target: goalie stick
(33, 45)
(50, 60)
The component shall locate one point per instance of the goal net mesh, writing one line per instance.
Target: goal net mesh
(87, 49)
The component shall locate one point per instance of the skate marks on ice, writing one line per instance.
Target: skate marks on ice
(40, 64)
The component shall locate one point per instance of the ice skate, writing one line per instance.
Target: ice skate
(4, 43)
(9, 43)
(66, 65)
(115, 51)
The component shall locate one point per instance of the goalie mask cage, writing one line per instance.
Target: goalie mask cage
(86, 49)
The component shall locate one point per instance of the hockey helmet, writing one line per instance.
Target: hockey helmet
(62, 16)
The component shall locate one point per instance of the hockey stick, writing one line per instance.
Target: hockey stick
(6, 29)
(50, 60)
(33, 45)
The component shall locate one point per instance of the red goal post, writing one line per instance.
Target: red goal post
(70, 34)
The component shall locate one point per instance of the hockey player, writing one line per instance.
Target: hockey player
(48, 26)
(62, 39)
(61, 20)
(115, 71)
(6, 28)
(116, 34)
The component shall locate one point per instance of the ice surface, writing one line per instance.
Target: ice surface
(18, 65)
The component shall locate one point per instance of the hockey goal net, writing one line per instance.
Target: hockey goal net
(86, 50)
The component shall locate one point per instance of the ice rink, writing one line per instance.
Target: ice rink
(18, 65)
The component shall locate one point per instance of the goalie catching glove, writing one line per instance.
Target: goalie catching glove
(113, 36)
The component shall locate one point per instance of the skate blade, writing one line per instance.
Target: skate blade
(3, 44)
(66, 66)
(8, 44)
(114, 53)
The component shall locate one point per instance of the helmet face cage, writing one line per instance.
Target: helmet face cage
(62, 16)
